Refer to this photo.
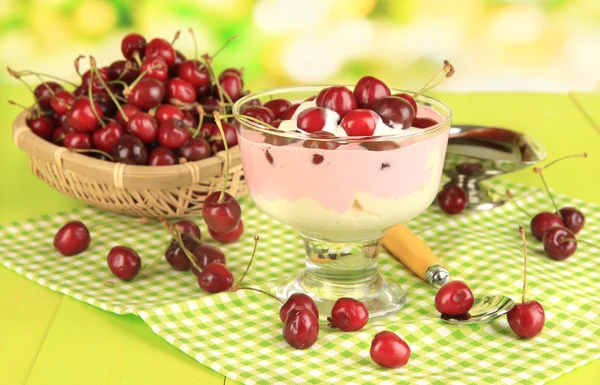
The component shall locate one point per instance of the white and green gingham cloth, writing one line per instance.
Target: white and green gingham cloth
(239, 334)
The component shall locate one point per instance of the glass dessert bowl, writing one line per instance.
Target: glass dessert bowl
(341, 193)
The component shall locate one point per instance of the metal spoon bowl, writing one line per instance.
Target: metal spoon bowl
(484, 309)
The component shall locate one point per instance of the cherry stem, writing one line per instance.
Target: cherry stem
(108, 91)
(584, 155)
(525, 262)
(217, 116)
(565, 240)
(215, 81)
(539, 171)
(177, 235)
(175, 37)
(136, 57)
(92, 150)
(128, 67)
(512, 198)
(446, 72)
(237, 285)
(15, 74)
(21, 105)
(117, 81)
(76, 64)
(90, 86)
(137, 80)
(191, 31)
(40, 74)
(251, 118)
(201, 113)
(224, 45)
(257, 290)
(59, 138)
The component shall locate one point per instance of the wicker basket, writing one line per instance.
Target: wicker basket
(165, 191)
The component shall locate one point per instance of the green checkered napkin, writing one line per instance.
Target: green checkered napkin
(239, 334)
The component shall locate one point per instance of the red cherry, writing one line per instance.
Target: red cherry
(542, 222)
(319, 144)
(278, 106)
(124, 262)
(339, 99)
(232, 71)
(175, 255)
(559, 243)
(121, 71)
(186, 226)
(527, 319)
(348, 315)
(229, 237)
(468, 168)
(221, 217)
(58, 136)
(423, 122)
(131, 44)
(452, 199)
(389, 350)
(189, 119)
(43, 94)
(574, 219)
(162, 48)
(232, 85)
(143, 126)
(205, 254)
(395, 110)
(261, 113)
(217, 140)
(156, 67)
(78, 140)
(215, 278)
(312, 119)
(181, 90)
(276, 123)
(62, 102)
(209, 103)
(194, 73)
(297, 300)
(301, 328)
(73, 238)
(361, 122)
(409, 99)
(319, 98)
(289, 113)
(195, 149)
(81, 116)
(147, 93)
(129, 149)
(369, 90)
(174, 69)
(310, 99)
(162, 156)
(166, 112)
(96, 84)
(173, 134)
(105, 138)
(454, 298)
(129, 110)
(41, 126)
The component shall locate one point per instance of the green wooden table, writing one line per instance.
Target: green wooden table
(47, 338)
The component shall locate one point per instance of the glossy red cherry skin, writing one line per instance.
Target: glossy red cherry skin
(278, 106)
(555, 244)
(186, 226)
(162, 48)
(209, 103)
(176, 256)
(156, 67)
(409, 99)
(339, 99)
(261, 113)
(181, 90)
(78, 141)
(81, 116)
(124, 262)
(206, 254)
(119, 69)
(143, 126)
(195, 149)
(215, 278)
(190, 71)
(43, 95)
(527, 319)
(174, 69)
(423, 122)
(389, 350)
(216, 139)
(96, 84)
(573, 219)
(224, 216)
(129, 110)
(229, 237)
(312, 119)
(289, 113)
(454, 298)
(41, 126)
(297, 300)
(58, 136)
(319, 98)
(62, 102)
(369, 90)
(395, 111)
(542, 222)
(348, 315)
(73, 238)
(301, 328)
(452, 200)
(162, 156)
(131, 44)
(232, 71)
(147, 93)
(104, 138)
(361, 122)
(129, 149)
(232, 85)
(173, 134)
(166, 112)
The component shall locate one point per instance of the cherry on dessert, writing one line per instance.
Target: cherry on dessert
(143, 126)
(232, 85)
(147, 93)
(217, 140)
(229, 237)
(73, 238)
(195, 149)
(78, 141)
(194, 73)
(104, 138)
(319, 98)
(221, 216)
(261, 113)
(395, 111)
(289, 113)
(43, 95)
(321, 144)
(423, 122)
(206, 254)
(542, 222)
(370, 90)
(452, 199)
(312, 119)
(559, 243)
(124, 262)
(129, 110)
(278, 107)
(162, 156)
(301, 328)
(276, 123)
(339, 99)
(173, 134)
(275, 140)
(41, 126)
(360, 122)
(348, 315)
(130, 149)
(162, 48)
(297, 300)
(454, 298)
(81, 115)
(131, 44)
(186, 226)
(155, 67)
(573, 219)
(62, 102)
(215, 278)
(181, 90)
(121, 70)
(389, 350)
(166, 112)
(409, 99)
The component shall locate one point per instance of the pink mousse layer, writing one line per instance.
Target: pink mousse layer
(345, 171)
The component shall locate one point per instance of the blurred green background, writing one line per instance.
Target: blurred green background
(549, 45)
